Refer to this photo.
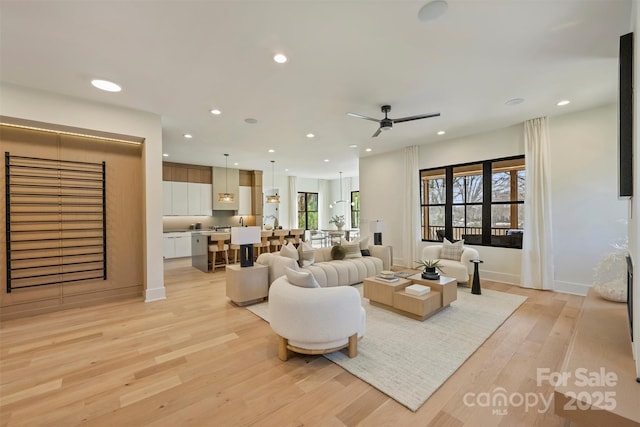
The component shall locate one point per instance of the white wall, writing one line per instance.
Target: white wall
(51, 108)
(587, 215)
(578, 140)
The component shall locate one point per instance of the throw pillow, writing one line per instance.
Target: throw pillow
(364, 243)
(352, 251)
(338, 252)
(303, 279)
(306, 254)
(452, 251)
(365, 252)
(289, 251)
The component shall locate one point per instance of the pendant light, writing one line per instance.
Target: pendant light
(226, 197)
(275, 198)
(331, 205)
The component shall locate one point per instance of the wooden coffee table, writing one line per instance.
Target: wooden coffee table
(392, 295)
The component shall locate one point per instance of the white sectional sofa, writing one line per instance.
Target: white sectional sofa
(329, 272)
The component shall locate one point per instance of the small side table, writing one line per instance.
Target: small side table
(475, 288)
(247, 285)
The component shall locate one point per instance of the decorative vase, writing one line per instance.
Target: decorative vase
(339, 225)
(430, 273)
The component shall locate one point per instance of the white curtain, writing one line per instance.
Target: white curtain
(411, 212)
(293, 202)
(537, 245)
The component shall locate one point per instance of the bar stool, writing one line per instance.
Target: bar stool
(296, 236)
(278, 239)
(263, 246)
(219, 250)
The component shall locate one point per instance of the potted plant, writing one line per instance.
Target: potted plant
(431, 268)
(338, 220)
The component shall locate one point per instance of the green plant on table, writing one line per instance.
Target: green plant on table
(431, 264)
(337, 219)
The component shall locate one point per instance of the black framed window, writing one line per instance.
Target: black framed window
(482, 202)
(355, 209)
(308, 211)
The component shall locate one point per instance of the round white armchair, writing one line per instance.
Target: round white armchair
(315, 320)
(459, 270)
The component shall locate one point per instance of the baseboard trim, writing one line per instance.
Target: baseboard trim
(496, 276)
(157, 294)
(571, 288)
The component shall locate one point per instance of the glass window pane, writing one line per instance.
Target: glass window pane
(521, 217)
(474, 218)
(302, 223)
(521, 179)
(473, 184)
(436, 216)
(500, 218)
(301, 203)
(312, 218)
(312, 202)
(436, 189)
(501, 187)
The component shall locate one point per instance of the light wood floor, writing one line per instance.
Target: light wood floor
(195, 359)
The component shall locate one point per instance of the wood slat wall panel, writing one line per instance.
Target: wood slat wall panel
(124, 214)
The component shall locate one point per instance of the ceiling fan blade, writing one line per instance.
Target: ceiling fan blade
(421, 116)
(377, 133)
(363, 117)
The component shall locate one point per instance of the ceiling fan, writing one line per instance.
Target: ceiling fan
(387, 123)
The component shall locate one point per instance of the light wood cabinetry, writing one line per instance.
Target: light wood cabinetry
(225, 180)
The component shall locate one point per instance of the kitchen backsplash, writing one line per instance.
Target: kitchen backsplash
(219, 219)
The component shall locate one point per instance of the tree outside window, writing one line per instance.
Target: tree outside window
(482, 203)
(308, 211)
(355, 209)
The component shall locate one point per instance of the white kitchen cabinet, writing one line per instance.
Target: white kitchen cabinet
(167, 203)
(180, 198)
(169, 244)
(194, 199)
(177, 245)
(244, 204)
(183, 245)
(206, 205)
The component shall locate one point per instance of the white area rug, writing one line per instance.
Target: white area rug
(409, 360)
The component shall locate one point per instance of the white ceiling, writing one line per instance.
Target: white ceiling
(180, 59)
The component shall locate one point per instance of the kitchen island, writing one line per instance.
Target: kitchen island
(200, 241)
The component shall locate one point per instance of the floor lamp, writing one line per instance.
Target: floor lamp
(245, 237)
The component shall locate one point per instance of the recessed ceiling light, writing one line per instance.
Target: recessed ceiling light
(215, 112)
(367, 150)
(514, 101)
(441, 132)
(280, 58)
(106, 85)
(432, 10)
(286, 170)
(188, 135)
(236, 164)
(563, 102)
(165, 155)
(326, 160)
(251, 121)
(310, 135)
(271, 150)
(353, 146)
